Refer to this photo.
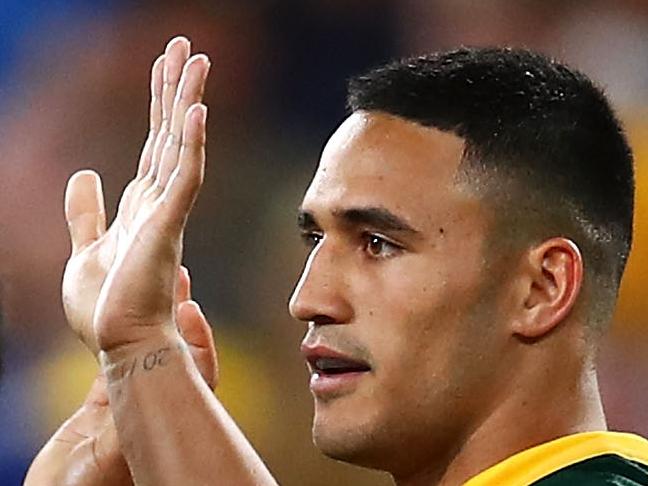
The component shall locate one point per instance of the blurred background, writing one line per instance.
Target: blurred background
(74, 94)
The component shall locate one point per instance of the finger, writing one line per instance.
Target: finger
(197, 333)
(190, 91)
(157, 85)
(183, 286)
(84, 209)
(175, 56)
(155, 116)
(182, 189)
(158, 149)
(168, 160)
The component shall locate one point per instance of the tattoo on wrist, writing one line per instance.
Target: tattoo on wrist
(141, 364)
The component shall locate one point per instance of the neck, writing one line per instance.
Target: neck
(524, 416)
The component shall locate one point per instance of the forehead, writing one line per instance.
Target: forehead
(380, 160)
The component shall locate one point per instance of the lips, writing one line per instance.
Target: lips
(336, 366)
(327, 361)
(333, 374)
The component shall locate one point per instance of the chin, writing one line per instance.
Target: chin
(340, 449)
(346, 439)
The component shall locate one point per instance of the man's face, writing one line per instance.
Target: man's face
(395, 294)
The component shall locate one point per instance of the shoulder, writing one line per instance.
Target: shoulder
(604, 470)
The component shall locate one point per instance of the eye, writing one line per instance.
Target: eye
(311, 238)
(379, 247)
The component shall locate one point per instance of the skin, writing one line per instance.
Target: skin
(346, 279)
(85, 449)
(462, 342)
(152, 380)
(468, 336)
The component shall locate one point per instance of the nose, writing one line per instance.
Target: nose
(321, 292)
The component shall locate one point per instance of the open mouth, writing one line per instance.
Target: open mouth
(333, 374)
(330, 366)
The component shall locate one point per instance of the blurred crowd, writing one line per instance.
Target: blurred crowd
(74, 86)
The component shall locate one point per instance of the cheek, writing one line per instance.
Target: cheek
(413, 355)
(416, 321)
(415, 294)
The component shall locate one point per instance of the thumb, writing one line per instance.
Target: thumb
(84, 209)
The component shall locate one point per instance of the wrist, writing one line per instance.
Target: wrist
(147, 354)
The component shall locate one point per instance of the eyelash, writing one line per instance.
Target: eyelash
(371, 238)
(312, 239)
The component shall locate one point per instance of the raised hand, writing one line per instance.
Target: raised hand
(177, 82)
(136, 298)
(85, 451)
(170, 426)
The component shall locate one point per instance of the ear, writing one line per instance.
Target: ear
(552, 280)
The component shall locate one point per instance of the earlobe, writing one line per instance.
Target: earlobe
(554, 279)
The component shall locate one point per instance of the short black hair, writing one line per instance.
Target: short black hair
(540, 123)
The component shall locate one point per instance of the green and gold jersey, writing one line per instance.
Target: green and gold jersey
(590, 458)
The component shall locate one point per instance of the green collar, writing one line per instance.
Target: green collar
(537, 462)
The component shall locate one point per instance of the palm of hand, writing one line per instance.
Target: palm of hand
(85, 273)
(91, 260)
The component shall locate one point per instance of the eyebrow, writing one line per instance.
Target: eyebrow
(375, 216)
(305, 220)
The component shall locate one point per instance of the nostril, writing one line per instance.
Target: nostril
(322, 319)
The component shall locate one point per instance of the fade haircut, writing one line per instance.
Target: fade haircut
(540, 139)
